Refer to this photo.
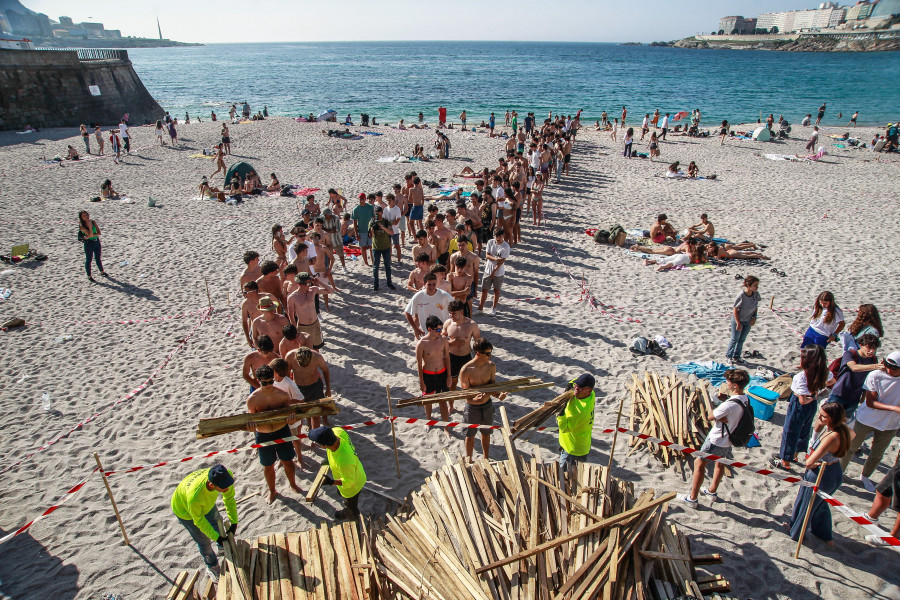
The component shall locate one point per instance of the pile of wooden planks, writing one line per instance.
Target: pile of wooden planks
(669, 409)
(318, 564)
(186, 588)
(541, 414)
(221, 425)
(511, 386)
(517, 529)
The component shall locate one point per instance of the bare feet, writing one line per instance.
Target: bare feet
(271, 497)
(296, 488)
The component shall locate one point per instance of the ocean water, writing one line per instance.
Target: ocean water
(392, 80)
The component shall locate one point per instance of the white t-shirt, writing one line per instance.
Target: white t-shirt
(800, 386)
(123, 130)
(311, 254)
(821, 327)
(646, 123)
(665, 123)
(287, 384)
(423, 306)
(500, 251)
(392, 213)
(731, 412)
(888, 389)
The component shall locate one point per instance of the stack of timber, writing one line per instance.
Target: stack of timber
(516, 529)
(186, 587)
(669, 409)
(512, 386)
(221, 425)
(541, 414)
(319, 564)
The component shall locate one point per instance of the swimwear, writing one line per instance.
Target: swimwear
(269, 454)
(312, 392)
(314, 331)
(457, 362)
(435, 382)
(659, 238)
(416, 213)
(478, 414)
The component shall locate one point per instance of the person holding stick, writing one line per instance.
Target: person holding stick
(194, 504)
(479, 409)
(831, 440)
(575, 422)
(726, 416)
(349, 475)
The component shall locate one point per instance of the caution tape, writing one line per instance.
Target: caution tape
(786, 324)
(846, 310)
(70, 493)
(132, 394)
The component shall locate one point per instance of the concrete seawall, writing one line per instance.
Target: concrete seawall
(47, 88)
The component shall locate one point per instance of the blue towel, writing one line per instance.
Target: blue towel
(713, 371)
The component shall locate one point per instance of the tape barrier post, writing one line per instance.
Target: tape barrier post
(809, 507)
(112, 500)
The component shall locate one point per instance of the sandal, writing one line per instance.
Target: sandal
(748, 354)
(738, 276)
(775, 461)
(756, 354)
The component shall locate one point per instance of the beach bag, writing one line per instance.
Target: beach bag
(601, 236)
(640, 345)
(617, 235)
(745, 428)
(782, 385)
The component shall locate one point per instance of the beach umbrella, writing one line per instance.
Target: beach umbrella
(326, 114)
(679, 116)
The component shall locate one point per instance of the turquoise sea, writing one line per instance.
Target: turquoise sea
(392, 80)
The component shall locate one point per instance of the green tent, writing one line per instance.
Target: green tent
(241, 169)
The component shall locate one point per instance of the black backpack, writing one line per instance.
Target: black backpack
(741, 435)
(601, 236)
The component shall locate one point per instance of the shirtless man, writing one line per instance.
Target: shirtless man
(440, 271)
(269, 281)
(416, 279)
(251, 271)
(301, 308)
(292, 339)
(249, 310)
(288, 281)
(662, 230)
(433, 363)
(460, 331)
(269, 397)
(310, 372)
(470, 268)
(417, 200)
(423, 247)
(479, 409)
(284, 383)
(441, 237)
(270, 322)
(460, 280)
(703, 230)
(263, 355)
(322, 273)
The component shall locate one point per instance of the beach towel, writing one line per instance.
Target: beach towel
(714, 371)
(787, 157)
(370, 133)
(814, 157)
(201, 155)
(398, 159)
(352, 251)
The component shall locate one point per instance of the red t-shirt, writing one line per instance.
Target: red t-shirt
(442, 114)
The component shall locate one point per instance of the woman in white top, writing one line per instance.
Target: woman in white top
(159, 133)
(813, 378)
(826, 323)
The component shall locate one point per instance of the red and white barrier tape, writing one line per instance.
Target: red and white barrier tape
(786, 324)
(846, 310)
(559, 297)
(68, 496)
(133, 393)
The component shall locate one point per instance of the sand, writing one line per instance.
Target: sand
(828, 225)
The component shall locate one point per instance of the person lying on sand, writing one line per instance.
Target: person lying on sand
(684, 247)
(107, 190)
(696, 255)
(716, 251)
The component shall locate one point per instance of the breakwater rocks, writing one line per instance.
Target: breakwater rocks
(803, 44)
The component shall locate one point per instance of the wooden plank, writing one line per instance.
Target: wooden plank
(344, 574)
(295, 566)
(328, 567)
(624, 516)
(187, 590)
(209, 590)
(274, 570)
(221, 425)
(707, 559)
(284, 569)
(262, 568)
(317, 483)
(314, 560)
(176, 587)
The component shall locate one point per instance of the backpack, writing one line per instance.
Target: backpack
(601, 236)
(617, 235)
(745, 428)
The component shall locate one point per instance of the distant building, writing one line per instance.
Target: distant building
(827, 16)
(23, 44)
(737, 25)
(886, 8)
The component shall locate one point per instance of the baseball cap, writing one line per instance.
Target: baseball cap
(267, 304)
(586, 380)
(220, 477)
(324, 436)
(362, 196)
(893, 359)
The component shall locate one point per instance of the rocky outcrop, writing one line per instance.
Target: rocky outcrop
(841, 45)
(691, 43)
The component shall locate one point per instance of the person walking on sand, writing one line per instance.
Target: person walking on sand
(89, 234)
(852, 122)
(126, 137)
(744, 317)
(194, 505)
(654, 146)
(811, 144)
(576, 423)
(347, 471)
(98, 133)
(116, 145)
(629, 140)
(664, 127)
(724, 131)
(220, 162)
(268, 397)
(645, 126)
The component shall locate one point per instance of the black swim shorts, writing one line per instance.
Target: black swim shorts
(269, 454)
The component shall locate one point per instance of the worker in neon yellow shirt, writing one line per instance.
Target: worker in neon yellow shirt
(348, 473)
(576, 423)
(194, 503)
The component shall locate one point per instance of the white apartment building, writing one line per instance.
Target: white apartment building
(802, 20)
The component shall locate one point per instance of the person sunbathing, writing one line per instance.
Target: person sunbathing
(419, 152)
(401, 126)
(73, 154)
(672, 172)
(467, 172)
(662, 229)
(275, 186)
(107, 190)
(684, 247)
(206, 191)
(696, 255)
(716, 251)
(693, 170)
(252, 183)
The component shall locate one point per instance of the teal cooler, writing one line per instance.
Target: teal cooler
(762, 400)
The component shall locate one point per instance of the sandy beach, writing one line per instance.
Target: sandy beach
(828, 225)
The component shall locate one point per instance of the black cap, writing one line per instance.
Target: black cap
(324, 436)
(586, 381)
(220, 477)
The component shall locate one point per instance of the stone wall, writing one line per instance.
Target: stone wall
(48, 88)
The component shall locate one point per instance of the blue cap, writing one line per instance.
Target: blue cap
(220, 477)
(586, 381)
(323, 436)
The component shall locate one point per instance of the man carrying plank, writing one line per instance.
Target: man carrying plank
(479, 409)
(349, 475)
(269, 397)
(576, 422)
(194, 504)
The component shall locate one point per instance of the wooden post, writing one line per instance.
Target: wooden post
(317, 483)
(112, 500)
(208, 297)
(772, 304)
(228, 298)
(393, 432)
(812, 498)
(608, 474)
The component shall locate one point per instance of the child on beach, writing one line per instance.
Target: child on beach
(744, 317)
(718, 441)
(826, 323)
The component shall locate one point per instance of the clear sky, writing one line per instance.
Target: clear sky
(342, 20)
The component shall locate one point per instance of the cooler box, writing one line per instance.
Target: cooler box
(762, 400)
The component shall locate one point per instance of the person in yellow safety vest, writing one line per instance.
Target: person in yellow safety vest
(576, 422)
(194, 503)
(349, 476)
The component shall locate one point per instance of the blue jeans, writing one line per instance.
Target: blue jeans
(203, 542)
(377, 256)
(820, 517)
(567, 461)
(797, 427)
(92, 252)
(849, 406)
(736, 345)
